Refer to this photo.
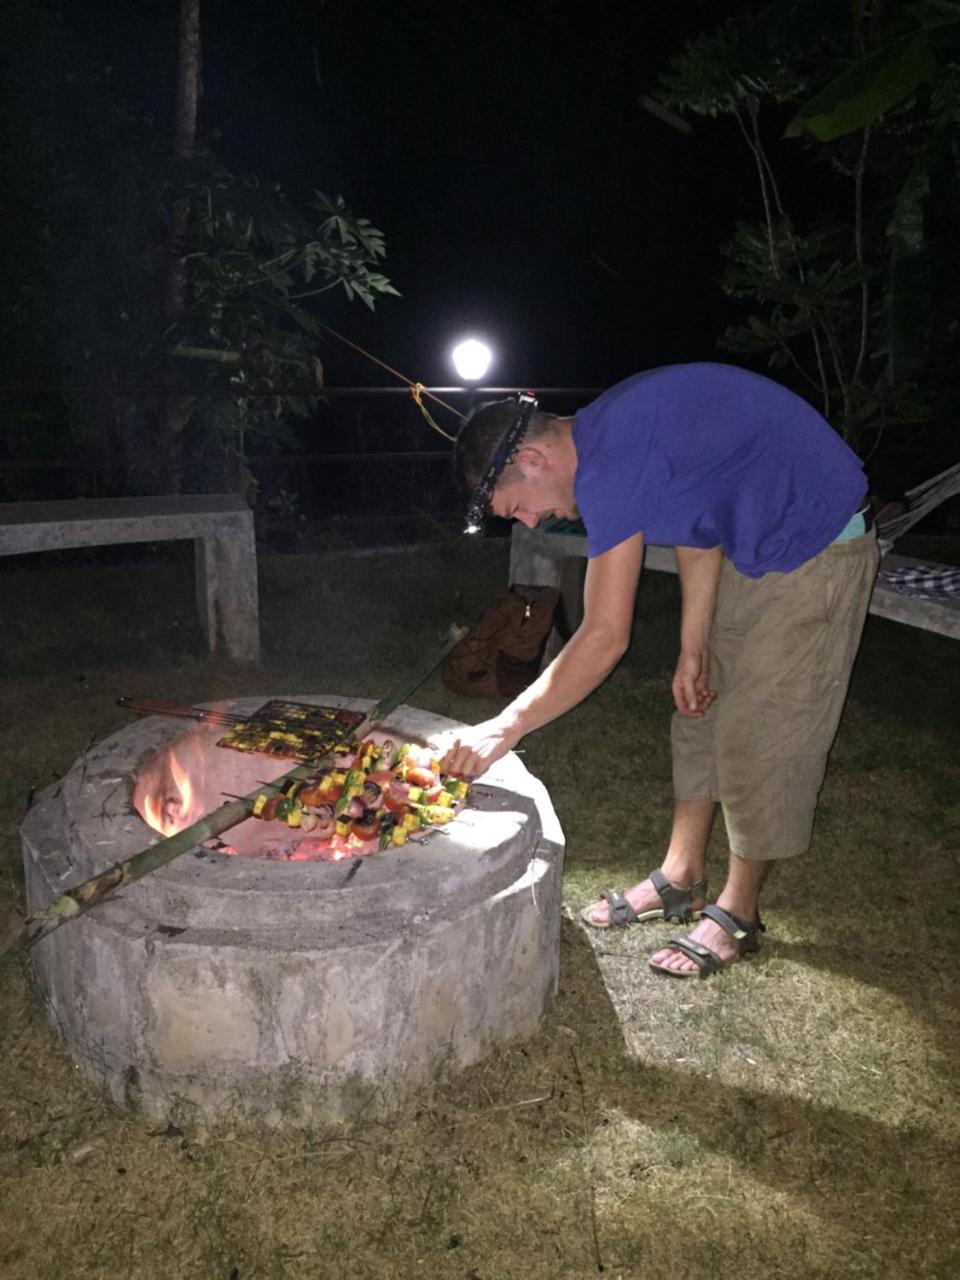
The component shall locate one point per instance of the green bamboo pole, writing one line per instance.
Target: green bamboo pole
(90, 893)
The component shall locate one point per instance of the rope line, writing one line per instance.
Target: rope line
(417, 389)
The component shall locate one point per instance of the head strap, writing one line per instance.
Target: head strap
(483, 493)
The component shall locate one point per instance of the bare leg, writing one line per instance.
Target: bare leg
(684, 861)
(740, 896)
(687, 850)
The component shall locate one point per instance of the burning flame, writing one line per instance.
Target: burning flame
(168, 809)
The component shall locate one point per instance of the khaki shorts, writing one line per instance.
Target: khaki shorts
(781, 652)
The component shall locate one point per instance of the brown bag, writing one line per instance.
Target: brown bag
(502, 654)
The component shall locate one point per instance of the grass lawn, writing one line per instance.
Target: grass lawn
(795, 1117)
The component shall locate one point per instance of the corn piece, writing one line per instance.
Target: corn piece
(463, 789)
(414, 794)
(411, 822)
(399, 835)
(258, 804)
(295, 816)
(445, 800)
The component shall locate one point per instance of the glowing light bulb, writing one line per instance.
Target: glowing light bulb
(471, 359)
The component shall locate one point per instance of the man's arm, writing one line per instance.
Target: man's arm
(699, 571)
(591, 654)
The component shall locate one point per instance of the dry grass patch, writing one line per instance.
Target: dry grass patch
(795, 1117)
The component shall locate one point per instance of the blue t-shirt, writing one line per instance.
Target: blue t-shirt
(701, 455)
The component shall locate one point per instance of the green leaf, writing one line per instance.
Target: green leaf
(867, 91)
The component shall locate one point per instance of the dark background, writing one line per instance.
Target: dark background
(524, 192)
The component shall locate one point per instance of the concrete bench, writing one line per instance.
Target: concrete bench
(219, 524)
(539, 558)
(932, 613)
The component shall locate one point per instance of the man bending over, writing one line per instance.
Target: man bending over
(766, 507)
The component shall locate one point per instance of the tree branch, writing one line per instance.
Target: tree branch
(771, 242)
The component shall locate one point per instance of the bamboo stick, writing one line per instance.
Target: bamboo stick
(74, 902)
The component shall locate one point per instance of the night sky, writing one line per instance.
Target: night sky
(524, 192)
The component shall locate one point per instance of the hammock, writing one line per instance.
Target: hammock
(921, 501)
(921, 579)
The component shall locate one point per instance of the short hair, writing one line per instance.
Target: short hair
(483, 430)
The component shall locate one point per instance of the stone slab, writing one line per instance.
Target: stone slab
(538, 558)
(931, 613)
(220, 525)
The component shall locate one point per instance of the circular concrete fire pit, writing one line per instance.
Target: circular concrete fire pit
(291, 991)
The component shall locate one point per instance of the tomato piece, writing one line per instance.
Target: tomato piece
(396, 807)
(366, 827)
(433, 794)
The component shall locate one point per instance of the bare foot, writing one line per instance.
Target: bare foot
(642, 897)
(711, 935)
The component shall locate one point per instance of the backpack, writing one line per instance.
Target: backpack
(501, 655)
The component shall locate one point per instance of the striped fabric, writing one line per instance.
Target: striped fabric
(922, 580)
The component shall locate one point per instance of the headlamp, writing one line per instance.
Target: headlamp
(482, 494)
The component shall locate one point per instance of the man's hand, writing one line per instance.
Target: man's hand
(691, 684)
(699, 569)
(474, 750)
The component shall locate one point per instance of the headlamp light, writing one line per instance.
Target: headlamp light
(483, 493)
